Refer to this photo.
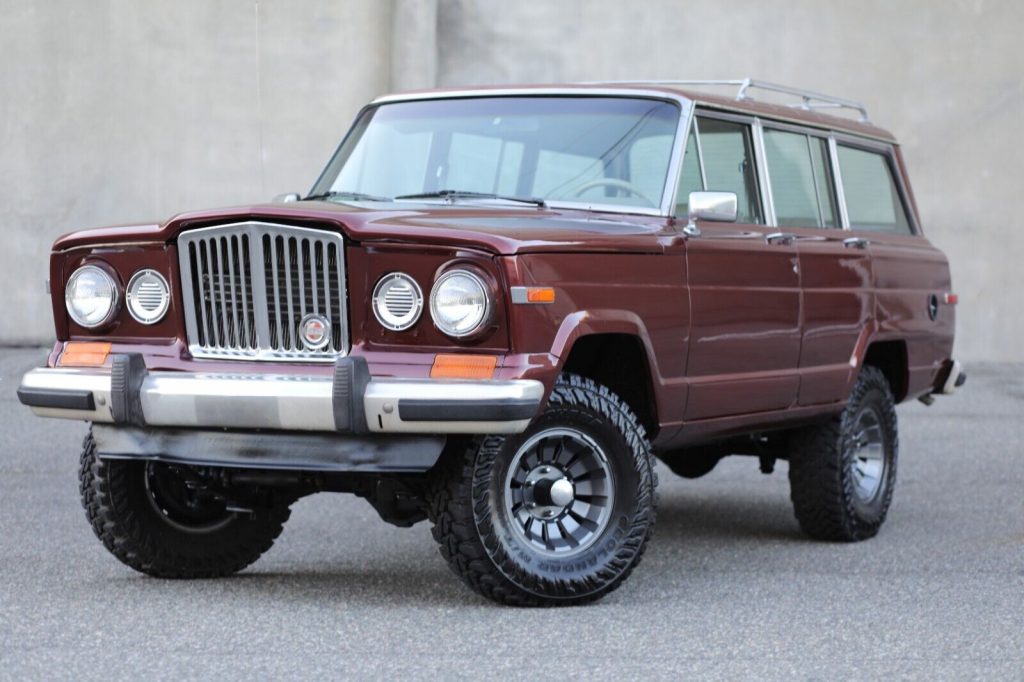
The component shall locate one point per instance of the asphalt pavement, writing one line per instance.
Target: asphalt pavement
(729, 588)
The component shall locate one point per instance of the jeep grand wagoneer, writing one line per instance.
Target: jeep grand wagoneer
(494, 310)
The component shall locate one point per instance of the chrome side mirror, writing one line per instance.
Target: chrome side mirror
(720, 207)
(286, 198)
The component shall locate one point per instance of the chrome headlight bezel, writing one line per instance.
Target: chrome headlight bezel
(485, 292)
(131, 296)
(378, 302)
(115, 296)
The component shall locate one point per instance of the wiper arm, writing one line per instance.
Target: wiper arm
(451, 194)
(357, 196)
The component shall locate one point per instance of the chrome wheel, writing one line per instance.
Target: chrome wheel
(868, 459)
(559, 491)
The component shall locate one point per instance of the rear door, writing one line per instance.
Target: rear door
(835, 270)
(744, 283)
(911, 277)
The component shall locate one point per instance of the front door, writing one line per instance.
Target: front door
(744, 285)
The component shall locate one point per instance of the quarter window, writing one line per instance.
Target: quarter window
(800, 179)
(873, 200)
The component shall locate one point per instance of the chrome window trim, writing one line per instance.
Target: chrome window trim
(260, 295)
(666, 207)
(837, 179)
(764, 178)
(824, 128)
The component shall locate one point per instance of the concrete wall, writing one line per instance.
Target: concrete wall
(114, 111)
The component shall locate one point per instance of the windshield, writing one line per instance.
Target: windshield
(610, 151)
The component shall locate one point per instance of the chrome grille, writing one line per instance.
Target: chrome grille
(248, 286)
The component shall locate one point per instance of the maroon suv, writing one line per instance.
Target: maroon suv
(494, 309)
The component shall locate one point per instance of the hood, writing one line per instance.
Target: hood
(499, 230)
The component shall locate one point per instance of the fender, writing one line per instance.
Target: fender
(580, 324)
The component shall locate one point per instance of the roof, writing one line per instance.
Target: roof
(808, 111)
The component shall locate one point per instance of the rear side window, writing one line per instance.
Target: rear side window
(800, 179)
(873, 200)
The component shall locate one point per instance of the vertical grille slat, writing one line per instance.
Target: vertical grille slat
(247, 286)
(236, 336)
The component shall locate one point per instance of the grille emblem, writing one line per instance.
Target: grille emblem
(315, 330)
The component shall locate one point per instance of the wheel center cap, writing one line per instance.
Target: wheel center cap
(549, 492)
(561, 492)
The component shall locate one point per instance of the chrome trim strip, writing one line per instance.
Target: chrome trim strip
(764, 178)
(284, 402)
(837, 180)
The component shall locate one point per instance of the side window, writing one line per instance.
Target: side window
(728, 161)
(800, 180)
(872, 198)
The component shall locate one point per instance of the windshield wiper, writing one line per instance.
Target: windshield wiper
(356, 196)
(452, 194)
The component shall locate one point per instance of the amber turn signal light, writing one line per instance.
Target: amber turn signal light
(540, 295)
(463, 367)
(84, 354)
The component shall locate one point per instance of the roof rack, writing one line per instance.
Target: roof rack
(811, 100)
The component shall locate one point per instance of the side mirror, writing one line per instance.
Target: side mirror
(286, 198)
(719, 207)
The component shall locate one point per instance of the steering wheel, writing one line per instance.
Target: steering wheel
(612, 182)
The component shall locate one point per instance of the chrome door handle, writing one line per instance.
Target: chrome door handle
(856, 243)
(783, 238)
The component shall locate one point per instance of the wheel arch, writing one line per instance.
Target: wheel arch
(890, 356)
(619, 357)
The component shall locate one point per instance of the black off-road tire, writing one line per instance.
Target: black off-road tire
(474, 534)
(123, 517)
(821, 477)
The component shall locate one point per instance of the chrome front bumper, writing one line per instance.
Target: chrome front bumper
(350, 401)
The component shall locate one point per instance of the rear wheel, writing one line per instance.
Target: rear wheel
(154, 519)
(842, 472)
(558, 515)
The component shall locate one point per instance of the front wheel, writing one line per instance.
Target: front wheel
(842, 472)
(154, 519)
(558, 515)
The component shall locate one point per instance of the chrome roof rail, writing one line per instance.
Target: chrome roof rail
(810, 100)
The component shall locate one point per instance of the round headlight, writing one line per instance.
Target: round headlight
(397, 301)
(459, 303)
(148, 296)
(91, 296)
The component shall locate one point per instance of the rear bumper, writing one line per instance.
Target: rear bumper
(950, 378)
(350, 401)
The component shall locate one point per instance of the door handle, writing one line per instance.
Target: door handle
(856, 243)
(783, 238)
